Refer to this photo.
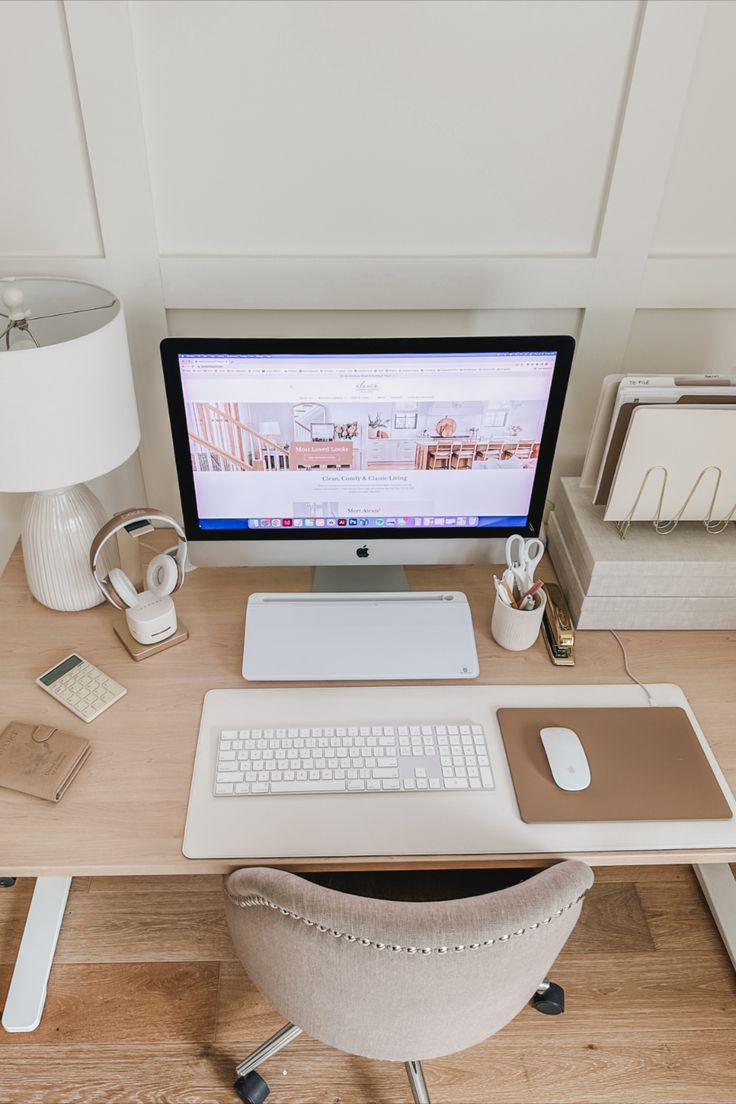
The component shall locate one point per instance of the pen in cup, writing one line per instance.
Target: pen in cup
(504, 592)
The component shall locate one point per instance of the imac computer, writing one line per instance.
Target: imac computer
(363, 452)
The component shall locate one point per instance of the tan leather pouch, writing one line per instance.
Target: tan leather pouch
(40, 760)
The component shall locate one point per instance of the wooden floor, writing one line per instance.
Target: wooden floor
(146, 1004)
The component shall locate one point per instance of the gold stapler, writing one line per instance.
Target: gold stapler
(559, 635)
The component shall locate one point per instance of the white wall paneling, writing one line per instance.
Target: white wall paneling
(660, 78)
(381, 128)
(104, 63)
(697, 214)
(45, 183)
(395, 166)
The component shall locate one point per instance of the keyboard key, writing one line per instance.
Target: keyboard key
(224, 788)
(236, 776)
(456, 783)
(307, 787)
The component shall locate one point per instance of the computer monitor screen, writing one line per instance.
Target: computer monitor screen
(279, 439)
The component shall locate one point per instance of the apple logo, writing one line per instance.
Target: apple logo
(362, 553)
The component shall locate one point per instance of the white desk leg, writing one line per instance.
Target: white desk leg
(719, 889)
(27, 993)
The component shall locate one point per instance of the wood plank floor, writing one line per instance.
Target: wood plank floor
(148, 1005)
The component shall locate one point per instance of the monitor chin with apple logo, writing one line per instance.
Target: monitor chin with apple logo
(363, 454)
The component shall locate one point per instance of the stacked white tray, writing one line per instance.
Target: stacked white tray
(682, 580)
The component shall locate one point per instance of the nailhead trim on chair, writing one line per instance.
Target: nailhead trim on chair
(263, 902)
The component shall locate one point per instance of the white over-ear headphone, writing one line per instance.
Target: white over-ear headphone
(150, 615)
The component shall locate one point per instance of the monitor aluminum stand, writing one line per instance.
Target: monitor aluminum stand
(385, 577)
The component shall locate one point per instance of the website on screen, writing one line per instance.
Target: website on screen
(329, 441)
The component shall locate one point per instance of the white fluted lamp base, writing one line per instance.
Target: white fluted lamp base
(57, 529)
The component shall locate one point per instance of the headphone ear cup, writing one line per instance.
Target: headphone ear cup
(162, 576)
(121, 586)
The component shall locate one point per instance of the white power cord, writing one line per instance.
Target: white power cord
(628, 670)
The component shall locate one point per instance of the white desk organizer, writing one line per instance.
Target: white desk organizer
(678, 463)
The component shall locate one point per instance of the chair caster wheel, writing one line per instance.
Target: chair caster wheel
(252, 1089)
(551, 1001)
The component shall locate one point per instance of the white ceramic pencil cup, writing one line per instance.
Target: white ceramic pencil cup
(516, 629)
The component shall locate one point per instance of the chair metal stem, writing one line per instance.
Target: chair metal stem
(418, 1085)
(266, 1050)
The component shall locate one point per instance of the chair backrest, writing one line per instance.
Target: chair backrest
(442, 450)
(395, 980)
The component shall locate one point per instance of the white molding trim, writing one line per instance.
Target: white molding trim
(103, 55)
(405, 283)
(374, 283)
(662, 68)
(433, 283)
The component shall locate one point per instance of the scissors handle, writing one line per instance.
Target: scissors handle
(515, 550)
(534, 552)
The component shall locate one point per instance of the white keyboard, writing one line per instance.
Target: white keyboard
(417, 758)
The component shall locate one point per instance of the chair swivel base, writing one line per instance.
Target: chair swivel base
(252, 1089)
(549, 999)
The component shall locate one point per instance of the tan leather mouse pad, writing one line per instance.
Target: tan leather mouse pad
(645, 764)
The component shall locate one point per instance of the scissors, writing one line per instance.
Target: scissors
(522, 557)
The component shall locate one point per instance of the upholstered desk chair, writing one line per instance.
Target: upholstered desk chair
(395, 980)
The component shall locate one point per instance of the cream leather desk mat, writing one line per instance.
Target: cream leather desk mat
(645, 764)
(467, 822)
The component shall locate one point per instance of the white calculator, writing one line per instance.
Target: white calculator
(81, 687)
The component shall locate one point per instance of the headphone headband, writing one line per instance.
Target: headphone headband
(118, 522)
(125, 517)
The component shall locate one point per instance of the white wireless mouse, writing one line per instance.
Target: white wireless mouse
(566, 758)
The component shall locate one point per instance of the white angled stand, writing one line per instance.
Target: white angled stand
(27, 993)
(719, 889)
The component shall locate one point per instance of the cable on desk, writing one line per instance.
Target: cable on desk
(628, 670)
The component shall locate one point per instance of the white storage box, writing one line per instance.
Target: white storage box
(681, 580)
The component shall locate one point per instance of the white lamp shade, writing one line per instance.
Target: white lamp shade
(69, 409)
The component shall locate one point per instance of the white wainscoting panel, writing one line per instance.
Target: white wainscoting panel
(48, 204)
(698, 209)
(682, 342)
(381, 128)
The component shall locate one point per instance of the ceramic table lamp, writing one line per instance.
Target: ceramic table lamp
(69, 414)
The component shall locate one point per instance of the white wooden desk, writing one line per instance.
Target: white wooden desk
(125, 812)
